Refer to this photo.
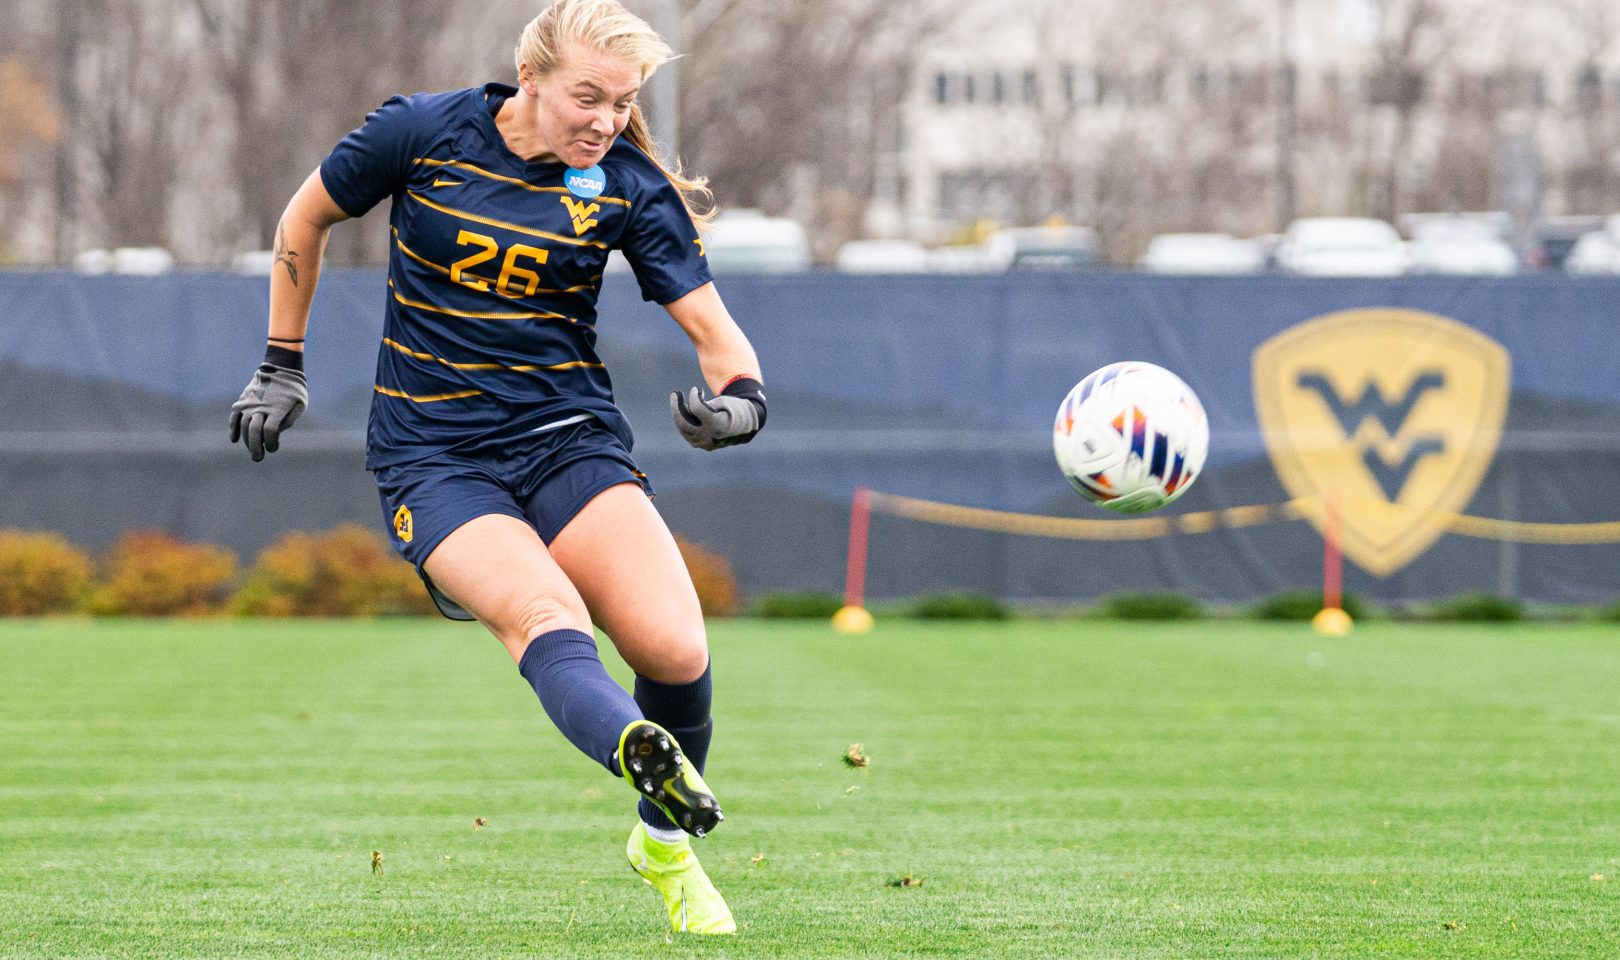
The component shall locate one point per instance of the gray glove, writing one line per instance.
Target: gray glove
(271, 402)
(729, 419)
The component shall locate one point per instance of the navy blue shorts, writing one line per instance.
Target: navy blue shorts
(541, 478)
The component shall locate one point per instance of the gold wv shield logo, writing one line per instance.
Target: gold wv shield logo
(1393, 414)
(582, 214)
(403, 527)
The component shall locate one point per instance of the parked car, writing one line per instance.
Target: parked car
(1205, 254)
(1495, 223)
(1596, 252)
(963, 259)
(1268, 244)
(1342, 247)
(1044, 248)
(1461, 247)
(747, 241)
(93, 262)
(132, 261)
(1553, 239)
(883, 256)
(254, 263)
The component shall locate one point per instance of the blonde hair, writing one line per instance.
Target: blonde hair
(607, 27)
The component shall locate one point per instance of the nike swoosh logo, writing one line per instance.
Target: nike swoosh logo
(441, 182)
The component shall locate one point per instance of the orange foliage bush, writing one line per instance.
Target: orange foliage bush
(346, 571)
(149, 573)
(40, 573)
(711, 575)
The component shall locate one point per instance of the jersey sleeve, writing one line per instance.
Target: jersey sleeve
(370, 163)
(663, 247)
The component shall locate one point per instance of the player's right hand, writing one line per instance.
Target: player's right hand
(271, 402)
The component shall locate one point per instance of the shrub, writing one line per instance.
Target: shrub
(1150, 606)
(40, 573)
(346, 571)
(148, 573)
(960, 606)
(803, 605)
(1303, 605)
(1479, 607)
(1611, 612)
(711, 576)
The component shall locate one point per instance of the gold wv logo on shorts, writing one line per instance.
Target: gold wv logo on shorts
(1392, 414)
(402, 523)
(581, 213)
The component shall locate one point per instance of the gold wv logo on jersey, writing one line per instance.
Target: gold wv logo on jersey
(1392, 414)
(582, 214)
(402, 524)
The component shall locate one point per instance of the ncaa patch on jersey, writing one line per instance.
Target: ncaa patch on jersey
(588, 183)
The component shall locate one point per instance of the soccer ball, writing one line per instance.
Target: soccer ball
(1131, 437)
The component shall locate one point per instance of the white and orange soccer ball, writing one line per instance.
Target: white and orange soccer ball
(1131, 437)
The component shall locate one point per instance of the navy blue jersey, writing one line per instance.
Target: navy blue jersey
(494, 270)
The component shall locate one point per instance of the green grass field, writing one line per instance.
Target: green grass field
(1060, 789)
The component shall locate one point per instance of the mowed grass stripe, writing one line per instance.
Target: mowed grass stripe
(1063, 788)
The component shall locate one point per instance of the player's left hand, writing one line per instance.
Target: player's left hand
(731, 418)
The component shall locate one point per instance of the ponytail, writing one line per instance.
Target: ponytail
(691, 189)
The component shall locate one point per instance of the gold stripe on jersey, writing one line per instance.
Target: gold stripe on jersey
(431, 398)
(504, 225)
(468, 273)
(519, 368)
(480, 315)
(463, 165)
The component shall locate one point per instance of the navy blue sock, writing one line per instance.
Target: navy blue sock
(683, 710)
(579, 696)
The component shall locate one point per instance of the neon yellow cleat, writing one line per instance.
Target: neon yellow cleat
(653, 763)
(695, 906)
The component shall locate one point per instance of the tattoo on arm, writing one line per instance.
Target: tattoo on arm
(283, 255)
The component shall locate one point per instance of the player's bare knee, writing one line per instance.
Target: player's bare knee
(682, 662)
(533, 615)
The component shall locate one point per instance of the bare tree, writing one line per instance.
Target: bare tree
(28, 125)
(132, 73)
(26, 118)
(298, 75)
(189, 123)
(1146, 131)
(779, 100)
(1592, 169)
(1415, 41)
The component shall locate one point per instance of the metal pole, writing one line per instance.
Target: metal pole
(1332, 556)
(860, 522)
(67, 93)
(666, 85)
(1286, 113)
(1507, 561)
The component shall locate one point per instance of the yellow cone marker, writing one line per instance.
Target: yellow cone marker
(1331, 622)
(852, 620)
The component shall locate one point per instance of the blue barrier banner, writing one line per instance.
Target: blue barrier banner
(1466, 430)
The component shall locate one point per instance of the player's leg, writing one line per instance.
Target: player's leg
(620, 556)
(594, 515)
(624, 562)
(496, 567)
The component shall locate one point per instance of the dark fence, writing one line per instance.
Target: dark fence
(114, 394)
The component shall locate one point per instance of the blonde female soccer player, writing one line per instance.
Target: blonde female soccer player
(503, 466)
